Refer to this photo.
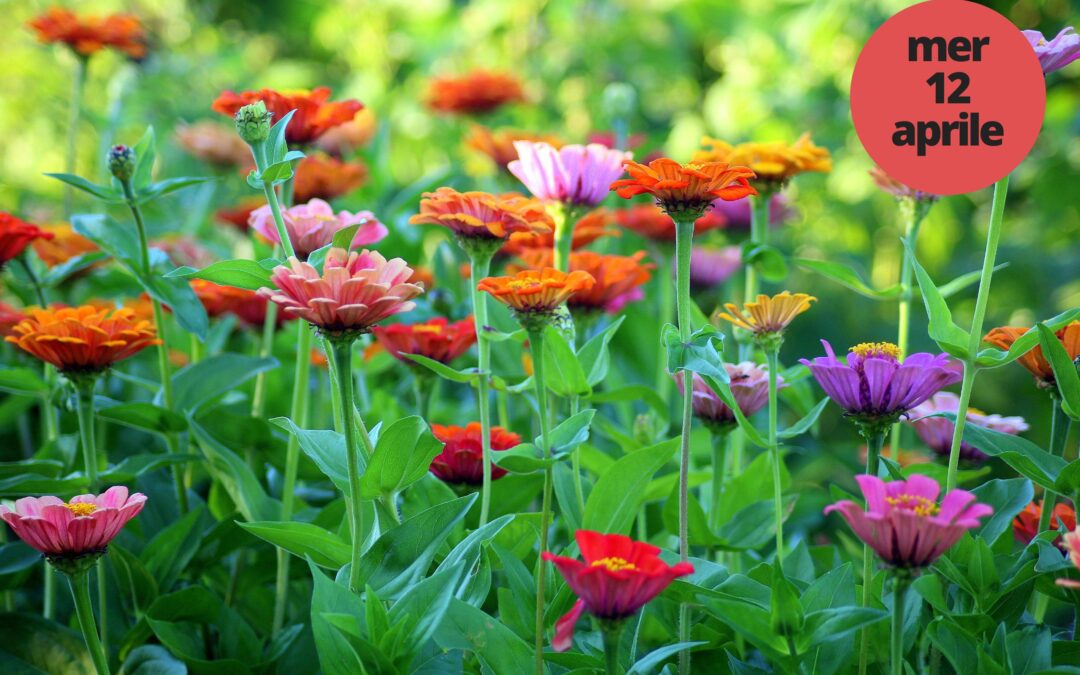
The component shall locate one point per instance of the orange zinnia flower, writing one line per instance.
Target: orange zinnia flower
(589, 228)
(349, 136)
(315, 114)
(320, 176)
(423, 276)
(83, 339)
(89, 34)
(213, 143)
(479, 91)
(1026, 523)
(650, 221)
(685, 190)
(437, 339)
(480, 215)
(535, 295)
(142, 307)
(63, 244)
(774, 163)
(16, 235)
(767, 315)
(498, 144)
(1034, 360)
(617, 277)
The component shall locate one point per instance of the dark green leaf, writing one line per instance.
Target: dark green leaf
(322, 547)
(614, 501)
(144, 416)
(205, 380)
(1068, 381)
(23, 382)
(402, 456)
(239, 273)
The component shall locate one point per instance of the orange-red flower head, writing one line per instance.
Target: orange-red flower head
(239, 216)
(16, 235)
(320, 176)
(479, 91)
(461, 460)
(437, 339)
(773, 163)
(590, 227)
(63, 244)
(535, 295)
(650, 221)
(685, 190)
(315, 113)
(83, 339)
(86, 35)
(1026, 523)
(617, 277)
(482, 216)
(1034, 359)
(246, 305)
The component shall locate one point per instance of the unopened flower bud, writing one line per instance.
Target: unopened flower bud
(121, 161)
(253, 122)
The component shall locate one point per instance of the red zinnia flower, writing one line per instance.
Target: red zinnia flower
(15, 235)
(461, 460)
(480, 91)
(315, 113)
(617, 578)
(89, 34)
(436, 339)
(1026, 523)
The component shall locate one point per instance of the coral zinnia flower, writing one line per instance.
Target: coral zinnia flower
(767, 316)
(83, 339)
(898, 189)
(1057, 53)
(685, 190)
(313, 225)
(711, 267)
(213, 143)
(9, 318)
(617, 577)
(61, 245)
(248, 306)
(1026, 523)
(498, 144)
(87, 35)
(874, 386)
(749, 384)
(479, 91)
(64, 531)
(315, 113)
(320, 176)
(16, 235)
(239, 216)
(1034, 360)
(479, 215)
(437, 339)
(616, 276)
(1072, 546)
(903, 521)
(349, 136)
(354, 292)
(534, 295)
(774, 163)
(573, 174)
(650, 221)
(590, 227)
(937, 432)
(461, 461)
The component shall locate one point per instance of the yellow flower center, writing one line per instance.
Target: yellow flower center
(521, 284)
(81, 508)
(868, 349)
(921, 506)
(975, 411)
(434, 329)
(614, 564)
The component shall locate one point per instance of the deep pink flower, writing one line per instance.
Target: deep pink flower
(83, 526)
(710, 267)
(313, 225)
(937, 432)
(575, 174)
(1057, 53)
(354, 292)
(903, 521)
(749, 384)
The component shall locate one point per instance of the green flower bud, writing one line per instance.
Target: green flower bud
(253, 122)
(121, 161)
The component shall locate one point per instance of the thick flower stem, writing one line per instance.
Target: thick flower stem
(611, 635)
(85, 413)
(80, 591)
(341, 352)
(993, 237)
(536, 349)
(78, 79)
(666, 291)
(912, 212)
(719, 476)
(773, 356)
(684, 235)
(900, 587)
(48, 411)
(565, 220)
(875, 438)
(479, 265)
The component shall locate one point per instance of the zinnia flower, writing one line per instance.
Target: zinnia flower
(617, 577)
(88, 35)
(354, 292)
(767, 316)
(616, 276)
(937, 432)
(16, 235)
(246, 305)
(711, 267)
(479, 91)
(1026, 523)
(461, 461)
(573, 174)
(315, 113)
(61, 244)
(73, 534)
(9, 318)
(898, 189)
(903, 521)
(1034, 360)
(749, 384)
(239, 215)
(535, 295)
(83, 339)
(498, 144)
(774, 163)
(320, 176)
(437, 339)
(1057, 53)
(736, 215)
(590, 227)
(875, 386)
(347, 137)
(213, 143)
(1072, 546)
(650, 222)
(481, 217)
(313, 225)
(685, 190)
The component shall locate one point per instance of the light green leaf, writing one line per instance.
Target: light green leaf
(844, 275)
(617, 495)
(402, 456)
(239, 273)
(304, 540)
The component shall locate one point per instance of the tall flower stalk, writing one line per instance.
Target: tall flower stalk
(536, 350)
(479, 266)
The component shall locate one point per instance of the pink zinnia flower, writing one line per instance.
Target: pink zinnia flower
(354, 292)
(574, 174)
(903, 521)
(710, 267)
(1057, 53)
(83, 527)
(749, 384)
(313, 225)
(1072, 547)
(937, 432)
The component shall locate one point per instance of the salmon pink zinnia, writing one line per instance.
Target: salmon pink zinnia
(313, 225)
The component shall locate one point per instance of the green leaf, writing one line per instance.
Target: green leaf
(144, 416)
(594, 355)
(631, 392)
(181, 622)
(525, 458)
(275, 144)
(277, 173)
(767, 259)
(402, 456)
(943, 330)
(173, 547)
(614, 501)
(699, 355)
(336, 656)
(239, 273)
(723, 390)
(235, 476)
(170, 185)
(343, 238)
(322, 547)
(196, 384)
(1008, 497)
(468, 628)
(444, 371)
(103, 192)
(835, 623)
(23, 382)
(786, 614)
(33, 645)
(570, 433)
(963, 281)
(59, 273)
(1065, 373)
(563, 373)
(844, 275)
(422, 608)
(145, 153)
(326, 449)
(1021, 454)
(152, 660)
(800, 427)
(178, 296)
(993, 358)
(651, 661)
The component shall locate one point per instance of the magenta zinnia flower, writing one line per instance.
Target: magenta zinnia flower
(313, 225)
(937, 432)
(573, 174)
(903, 521)
(1057, 53)
(710, 267)
(71, 533)
(875, 386)
(749, 384)
(354, 292)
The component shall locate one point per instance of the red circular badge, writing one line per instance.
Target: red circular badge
(948, 96)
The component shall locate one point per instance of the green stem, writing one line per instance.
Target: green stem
(759, 236)
(611, 635)
(266, 347)
(773, 356)
(279, 222)
(874, 440)
(684, 235)
(536, 347)
(74, 112)
(912, 212)
(575, 461)
(666, 308)
(719, 475)
(993, 237)
(1059, 434)
(479, 265)
(80, 591)
(85, 412)
(565, 219)
(900, 588)
(341, 352)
